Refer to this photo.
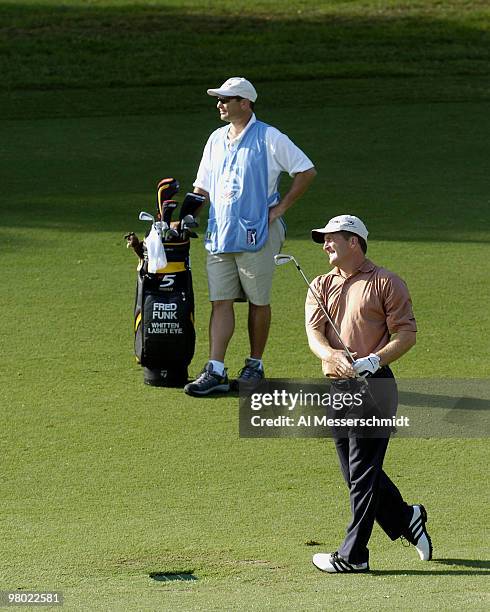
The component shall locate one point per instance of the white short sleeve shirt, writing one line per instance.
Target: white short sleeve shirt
(282, 156)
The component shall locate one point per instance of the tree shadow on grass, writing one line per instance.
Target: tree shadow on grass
(123, 49)
(476, 563)
(142, 45)
(446, 402)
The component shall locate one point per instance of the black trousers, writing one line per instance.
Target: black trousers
(373, 496)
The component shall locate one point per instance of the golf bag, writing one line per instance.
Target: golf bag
(165, 337)
(164, 333)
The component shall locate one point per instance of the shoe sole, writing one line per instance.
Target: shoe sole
(361, 571)
(217, 389)
(423, 516)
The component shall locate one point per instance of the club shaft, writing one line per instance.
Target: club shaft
(324, 310)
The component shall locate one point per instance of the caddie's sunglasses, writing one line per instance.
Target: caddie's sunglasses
(226, 100)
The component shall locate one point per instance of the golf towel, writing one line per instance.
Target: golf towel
(156, 252)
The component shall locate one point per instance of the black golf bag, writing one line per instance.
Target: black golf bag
(165, 337)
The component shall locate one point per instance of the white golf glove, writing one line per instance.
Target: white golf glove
(367, 365)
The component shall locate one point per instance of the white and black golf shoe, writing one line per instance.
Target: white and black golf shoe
(332, 563)
(418, 533)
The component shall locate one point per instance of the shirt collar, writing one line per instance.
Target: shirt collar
(252, 120)
(366, 266)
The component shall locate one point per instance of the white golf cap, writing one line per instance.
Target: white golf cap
(236, 86)
(342, 223)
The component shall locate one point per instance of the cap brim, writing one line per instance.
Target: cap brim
(218, 92)
(318, 235)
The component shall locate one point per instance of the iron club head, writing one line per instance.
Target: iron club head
(188, 222)
(171, 234)
(282, 259)
(144, 216)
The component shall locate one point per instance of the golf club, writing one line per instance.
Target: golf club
(144, 216)
(166, 189)
(166, 209)
(187, 223)
(282, 259)
(170, 234)
(191, 204)
(160, 226)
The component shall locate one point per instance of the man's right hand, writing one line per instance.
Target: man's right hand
(341, 365)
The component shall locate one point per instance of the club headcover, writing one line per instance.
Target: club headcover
(191, 203)
(166, 189)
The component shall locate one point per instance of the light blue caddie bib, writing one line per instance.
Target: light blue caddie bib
(239, 201)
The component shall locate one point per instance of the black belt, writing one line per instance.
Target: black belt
(350, 384)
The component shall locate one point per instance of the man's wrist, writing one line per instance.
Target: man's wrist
(277, 210)
(330, 355)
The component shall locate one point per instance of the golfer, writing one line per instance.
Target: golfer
(239, 174)
(372, 309)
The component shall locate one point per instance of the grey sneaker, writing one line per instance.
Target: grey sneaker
(208, 382)
(251, 374)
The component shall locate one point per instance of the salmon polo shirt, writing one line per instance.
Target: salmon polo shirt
(367, 307)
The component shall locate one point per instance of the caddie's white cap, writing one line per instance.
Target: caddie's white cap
(347, 223)
(236, 86)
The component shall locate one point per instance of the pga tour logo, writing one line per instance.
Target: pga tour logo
(252, 237)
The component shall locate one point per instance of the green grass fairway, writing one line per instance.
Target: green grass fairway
(105, 481)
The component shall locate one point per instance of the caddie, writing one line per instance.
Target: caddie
(239, 174)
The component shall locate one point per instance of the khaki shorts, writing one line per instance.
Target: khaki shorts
(246, 276)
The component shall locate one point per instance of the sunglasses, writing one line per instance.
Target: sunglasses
(227, 100)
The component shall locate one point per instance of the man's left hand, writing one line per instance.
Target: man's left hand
(274, 213)
(367, 365)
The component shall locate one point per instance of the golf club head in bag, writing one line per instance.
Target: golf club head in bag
(166, 189)
(144, 216)
(166, 209)
(171, 234)
(187, 224)
(192, 202)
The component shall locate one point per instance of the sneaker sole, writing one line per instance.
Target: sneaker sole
(361, 571)
(217, 389)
